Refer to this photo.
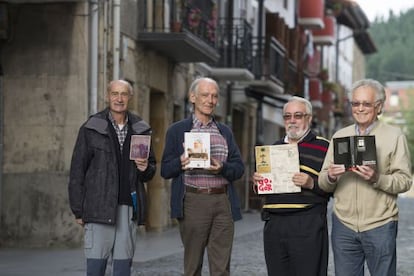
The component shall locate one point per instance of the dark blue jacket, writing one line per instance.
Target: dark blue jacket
(232, 170)
(94, 174)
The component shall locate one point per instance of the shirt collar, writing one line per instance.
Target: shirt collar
(198, 124)
(368, 130)
(111, 118)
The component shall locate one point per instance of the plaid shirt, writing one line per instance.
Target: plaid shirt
(218, 150)
(121, 133)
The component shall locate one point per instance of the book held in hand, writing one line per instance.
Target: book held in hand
(355, 150)
(277, 164)
(140, 146)
(197, 148)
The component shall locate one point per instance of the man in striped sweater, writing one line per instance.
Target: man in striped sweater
(295, 233)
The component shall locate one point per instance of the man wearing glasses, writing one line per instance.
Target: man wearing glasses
(295, 234)
(365, 212)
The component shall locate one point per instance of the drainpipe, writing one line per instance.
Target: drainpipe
(260, 39)
(93, 56)
(105, 48)
(1, 136)
(116, 37)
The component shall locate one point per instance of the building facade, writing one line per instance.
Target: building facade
(58, 56)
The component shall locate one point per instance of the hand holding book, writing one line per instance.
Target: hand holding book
(367, 172)
(355, 150)
(335, 171)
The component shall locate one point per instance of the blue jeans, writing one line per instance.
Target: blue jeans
(377, 247)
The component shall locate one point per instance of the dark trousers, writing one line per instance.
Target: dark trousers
(207, 224)
(296, 243)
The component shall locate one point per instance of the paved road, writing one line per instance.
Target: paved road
(248, 259)
(160, 254)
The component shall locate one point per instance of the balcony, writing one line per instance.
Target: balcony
(235, 47)
(185, 34)
(269, 68)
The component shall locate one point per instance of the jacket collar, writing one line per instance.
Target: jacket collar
(99, 122)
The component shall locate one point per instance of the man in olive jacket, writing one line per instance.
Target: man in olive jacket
(106, 188)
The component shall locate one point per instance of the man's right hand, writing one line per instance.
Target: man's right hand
(80, 222)
(334, 171)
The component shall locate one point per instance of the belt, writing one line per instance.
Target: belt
(285, 206)
(206, 191)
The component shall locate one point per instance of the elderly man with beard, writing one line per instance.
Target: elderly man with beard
(295, 233)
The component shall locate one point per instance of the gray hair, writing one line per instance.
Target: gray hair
(376, 85)
(129, 86)
(308, 105)
(194, 85)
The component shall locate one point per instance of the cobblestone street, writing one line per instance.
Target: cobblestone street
(248, 258)
(160, 254)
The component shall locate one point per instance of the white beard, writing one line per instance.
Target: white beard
(294, 133)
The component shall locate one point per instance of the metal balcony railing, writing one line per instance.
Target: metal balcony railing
(232, 39)
(269, 59)
(235, 44)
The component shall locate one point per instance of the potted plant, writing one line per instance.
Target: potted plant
(194, 18)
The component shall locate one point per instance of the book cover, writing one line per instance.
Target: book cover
(197, 148)
(140, 146)
(277, 164)
(355, 150)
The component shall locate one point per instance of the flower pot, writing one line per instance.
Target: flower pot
(176, 26)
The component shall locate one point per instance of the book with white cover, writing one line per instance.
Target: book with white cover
(277, 164)
(197, 148)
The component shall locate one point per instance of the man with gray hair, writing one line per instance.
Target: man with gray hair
(365, 212)
(204, 201)
(106, 188)
(295, 234)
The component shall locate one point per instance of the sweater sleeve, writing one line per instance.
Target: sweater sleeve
(170, 162)
(233, 167)
(397, 177)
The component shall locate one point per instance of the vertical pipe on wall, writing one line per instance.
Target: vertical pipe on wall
(93, 56)
(260, 39)
(116, 37)
(105, 48)
(1, 137)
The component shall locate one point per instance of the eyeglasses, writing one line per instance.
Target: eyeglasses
(365, 104)
(296, 115)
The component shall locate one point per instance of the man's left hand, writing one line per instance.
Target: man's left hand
(368, 173)
(303, 180)
(216, 166)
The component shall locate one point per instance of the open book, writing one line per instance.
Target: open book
(355, 150)
(277, 164)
